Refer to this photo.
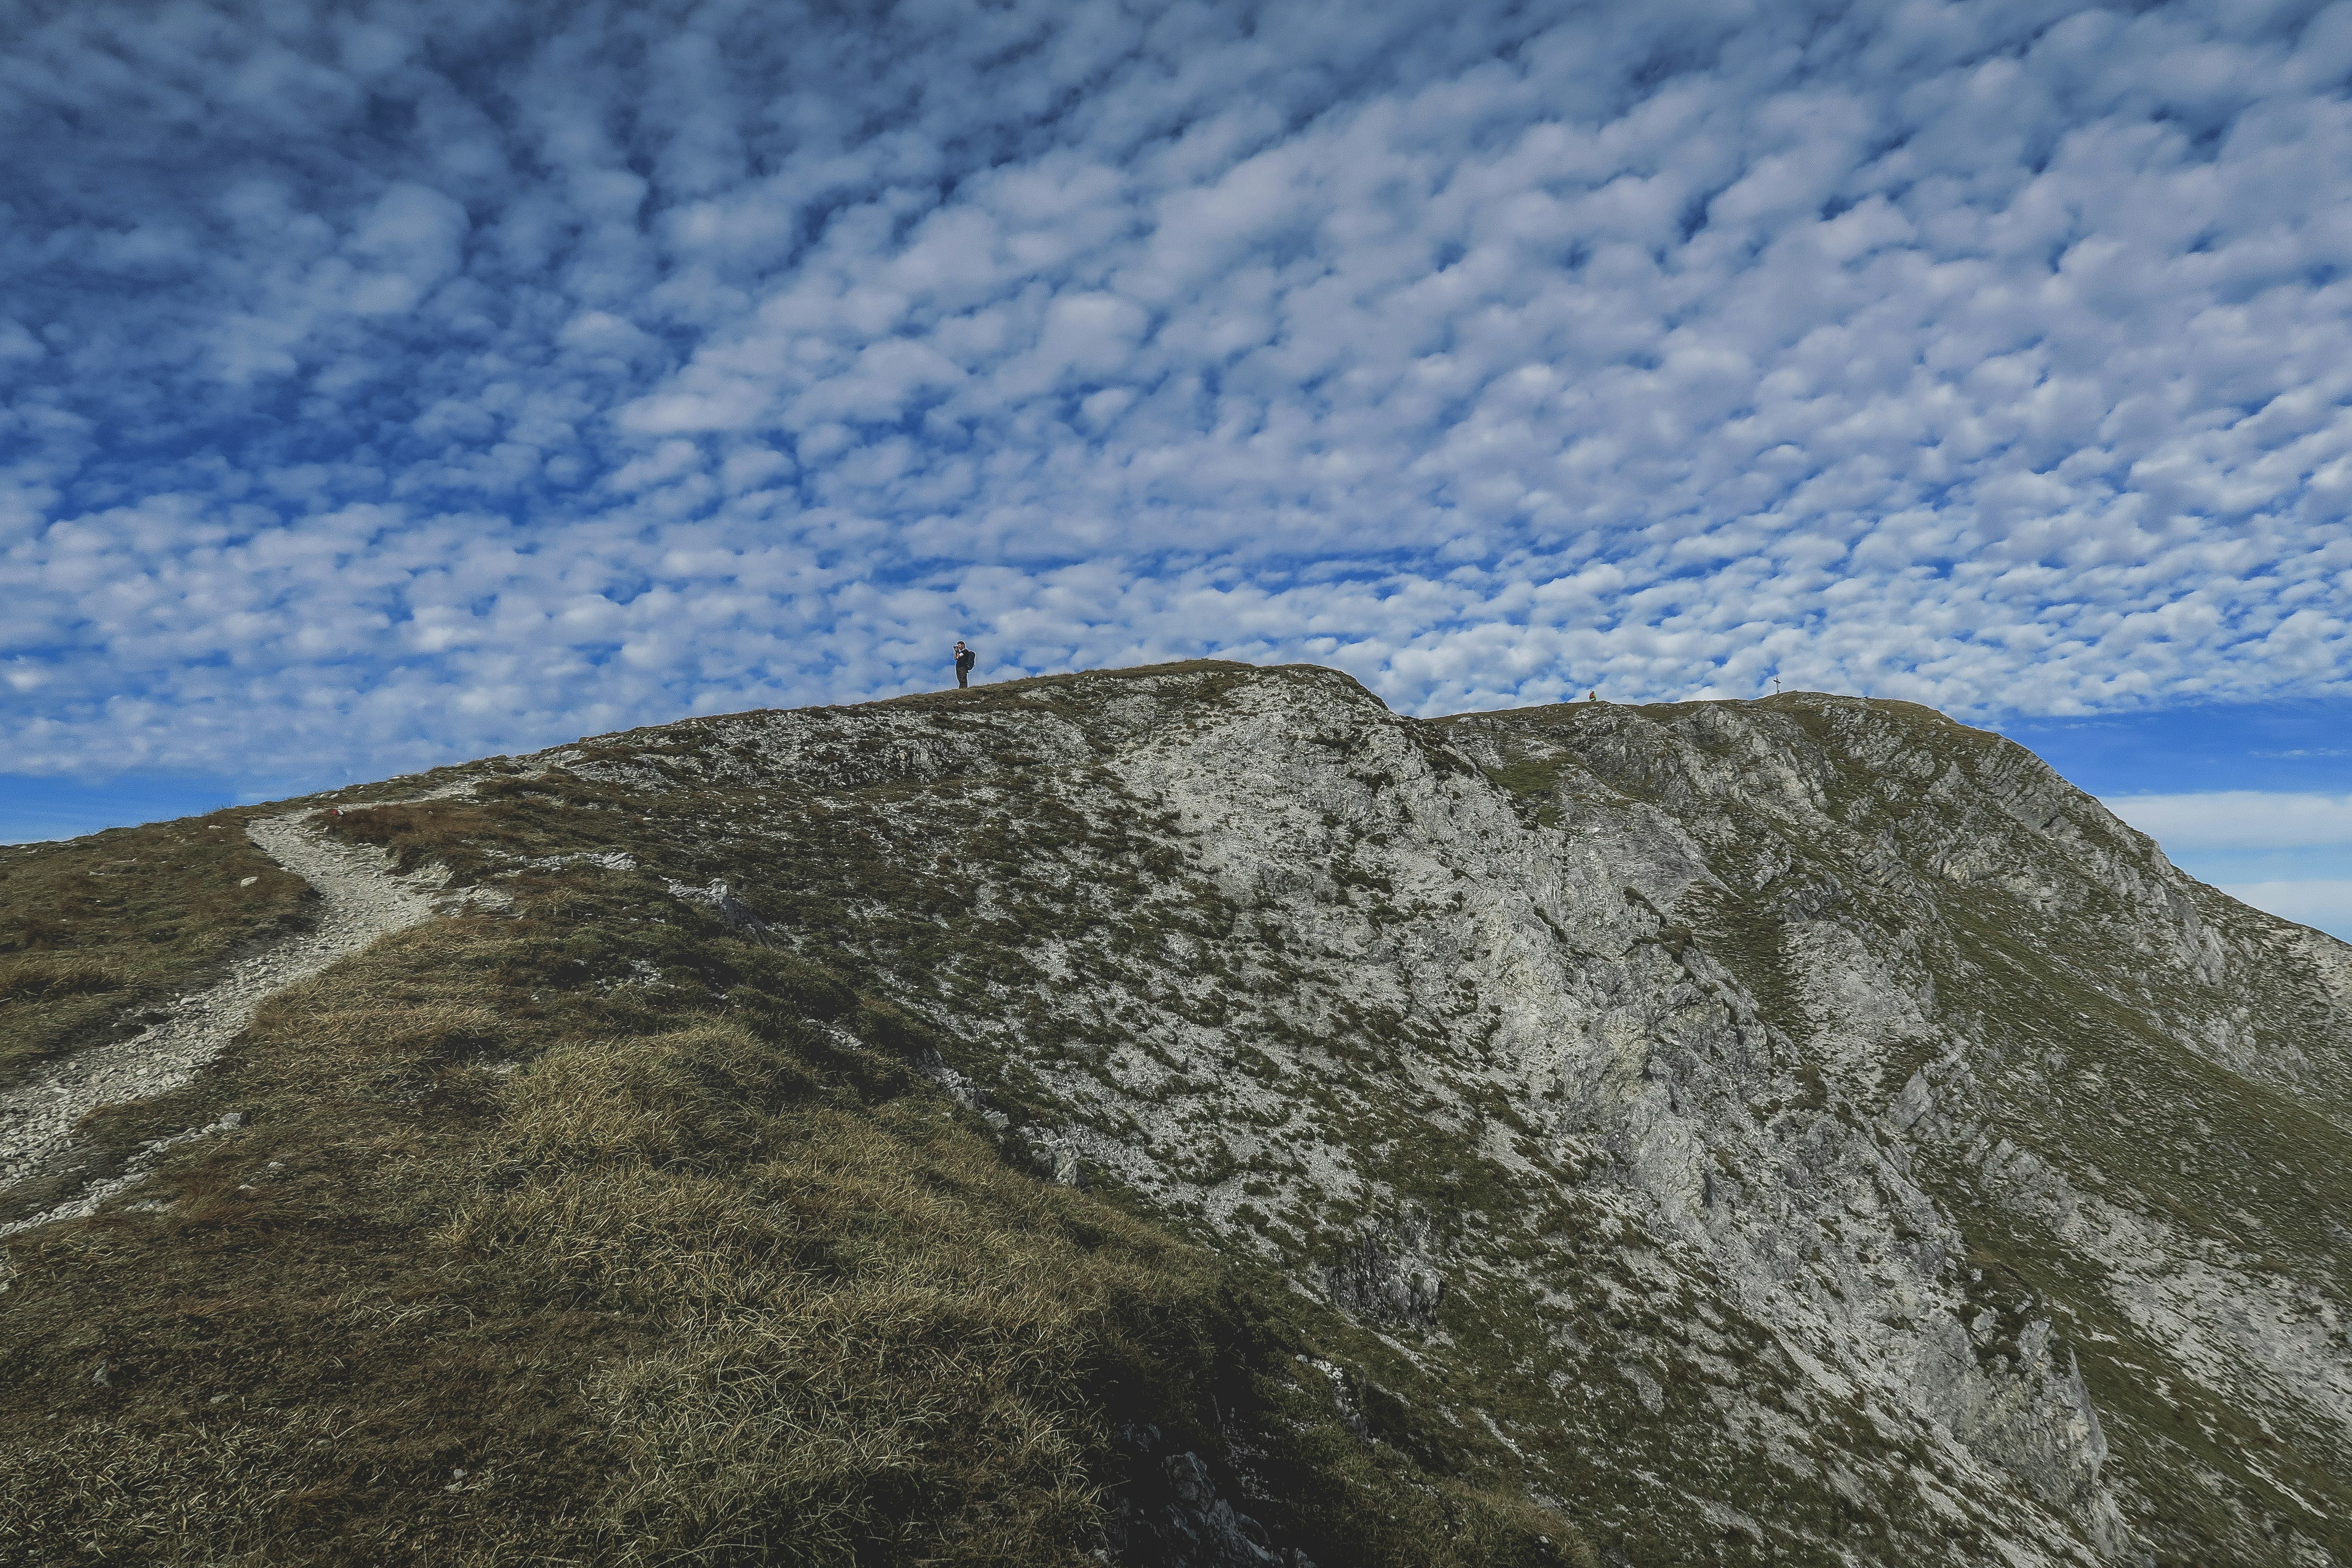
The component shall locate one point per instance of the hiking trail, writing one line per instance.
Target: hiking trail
(361, 900)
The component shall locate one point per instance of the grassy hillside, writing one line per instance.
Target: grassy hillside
(597, 1231)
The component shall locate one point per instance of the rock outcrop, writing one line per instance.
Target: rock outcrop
(1808, 1123)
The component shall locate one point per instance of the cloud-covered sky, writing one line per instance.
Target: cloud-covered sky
(387, 384)
(2240, 821)
(2279, 851)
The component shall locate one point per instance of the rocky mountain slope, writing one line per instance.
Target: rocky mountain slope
(1194, 1115)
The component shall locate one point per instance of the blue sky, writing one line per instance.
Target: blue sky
(2249, 796)
(384, 384)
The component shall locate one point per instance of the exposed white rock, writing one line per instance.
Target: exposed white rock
(1798, 1069)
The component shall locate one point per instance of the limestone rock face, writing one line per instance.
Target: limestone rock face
(1802, 1131)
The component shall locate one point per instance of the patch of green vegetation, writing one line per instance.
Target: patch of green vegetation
(1752, 943)
(1534, 782)
(1529, 775)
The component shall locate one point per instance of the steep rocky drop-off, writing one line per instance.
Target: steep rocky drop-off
(1804, 1130)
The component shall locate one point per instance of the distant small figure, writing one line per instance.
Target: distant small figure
(964, 659)
(1592, 697)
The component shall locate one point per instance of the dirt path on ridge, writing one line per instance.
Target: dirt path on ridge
(361, 900)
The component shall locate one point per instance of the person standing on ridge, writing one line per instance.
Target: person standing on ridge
(964, 659)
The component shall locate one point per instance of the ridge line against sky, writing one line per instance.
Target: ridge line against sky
(393, 381)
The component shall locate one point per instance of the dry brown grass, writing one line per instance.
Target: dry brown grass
(669, 1299)
(288, 1371)
(42, 979)
(875, 1335)
(98, 930)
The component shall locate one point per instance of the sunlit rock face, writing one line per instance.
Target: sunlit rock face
(1805, 1129)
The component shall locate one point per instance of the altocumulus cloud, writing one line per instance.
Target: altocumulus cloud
(384, 383)
(2287, 852)
(2228, 820)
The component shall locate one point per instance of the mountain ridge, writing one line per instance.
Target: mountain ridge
(1804, 1129)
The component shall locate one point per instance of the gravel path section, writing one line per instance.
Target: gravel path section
(361, 900)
